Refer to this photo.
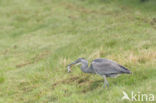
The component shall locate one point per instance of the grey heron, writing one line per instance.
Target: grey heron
(101, 66)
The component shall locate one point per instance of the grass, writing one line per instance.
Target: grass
(38, 38)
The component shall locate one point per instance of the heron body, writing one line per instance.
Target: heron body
(101, 66)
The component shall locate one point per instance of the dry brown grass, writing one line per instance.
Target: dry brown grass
(127, 57)
(132, 57)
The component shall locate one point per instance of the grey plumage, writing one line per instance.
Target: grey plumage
(101, 66)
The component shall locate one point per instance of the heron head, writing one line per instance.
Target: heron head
(77, 62)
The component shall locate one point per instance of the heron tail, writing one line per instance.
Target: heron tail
(125, 70)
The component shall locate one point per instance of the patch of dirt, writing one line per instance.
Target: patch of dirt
(35, 59)
(65, 81)
(92, 85)
(88, 85)
(26, 86)
(7, 50)
(82, 9)
(77, 79)
(153, 22)
(78, 8)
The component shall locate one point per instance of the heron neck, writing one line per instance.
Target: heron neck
(85, 68)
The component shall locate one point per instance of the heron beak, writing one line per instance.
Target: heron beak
(70, 65)
(78, 64)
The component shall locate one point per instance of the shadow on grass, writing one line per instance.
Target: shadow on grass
(92, 86)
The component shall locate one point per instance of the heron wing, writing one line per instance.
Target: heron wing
(106, 67)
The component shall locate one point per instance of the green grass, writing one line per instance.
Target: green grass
(38, 38)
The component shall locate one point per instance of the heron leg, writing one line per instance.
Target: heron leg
(105, 81)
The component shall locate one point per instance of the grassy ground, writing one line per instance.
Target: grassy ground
(38, 38)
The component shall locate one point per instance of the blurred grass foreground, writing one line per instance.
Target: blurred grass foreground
(38, 38)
